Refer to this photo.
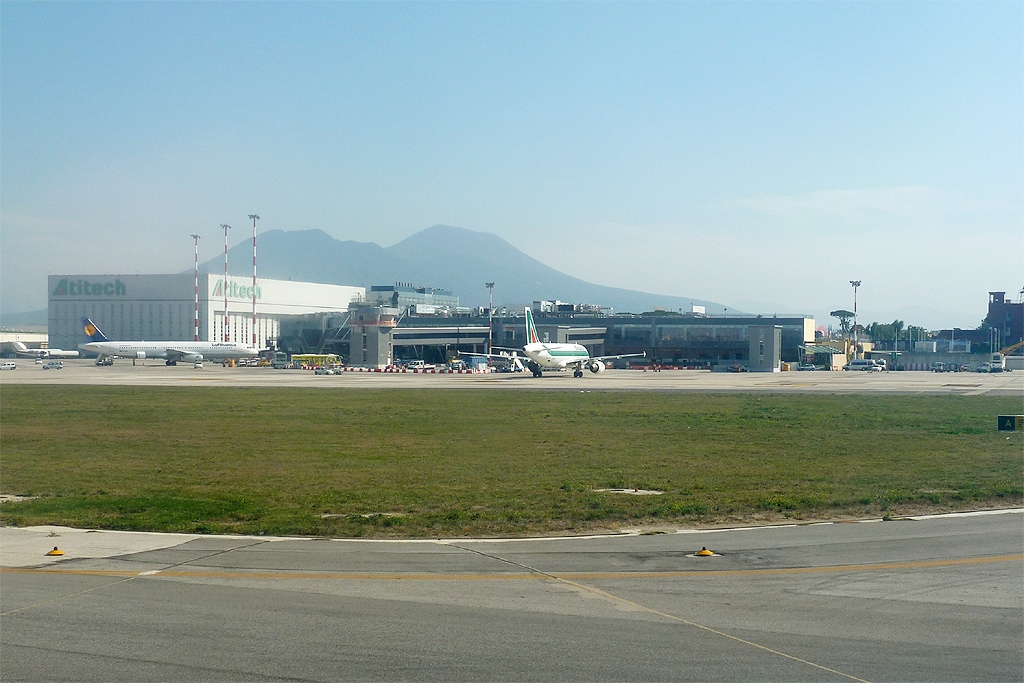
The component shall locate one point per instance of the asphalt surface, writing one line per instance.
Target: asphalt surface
(155, 373)
(923, 599)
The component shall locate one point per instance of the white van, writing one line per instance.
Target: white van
(867, 365)
(8, 365)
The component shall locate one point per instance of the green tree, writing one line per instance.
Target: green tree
(844, 319)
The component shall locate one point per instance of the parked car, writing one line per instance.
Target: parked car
(806, 366)
(53, 365)
(8, 365)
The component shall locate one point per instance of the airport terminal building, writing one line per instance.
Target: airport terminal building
(162, 307)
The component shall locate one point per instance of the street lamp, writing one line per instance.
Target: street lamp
(225, 283)
(196, 238)
(490, 314)
(856, 284)
(254, 217)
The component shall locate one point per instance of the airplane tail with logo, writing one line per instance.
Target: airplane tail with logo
(93, 332)
(531, 329)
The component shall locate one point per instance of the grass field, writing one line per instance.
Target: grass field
(450, 463)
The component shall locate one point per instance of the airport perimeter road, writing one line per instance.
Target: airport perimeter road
(929, 599)
(155, 373)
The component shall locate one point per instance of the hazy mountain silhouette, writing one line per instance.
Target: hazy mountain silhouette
(440, 256)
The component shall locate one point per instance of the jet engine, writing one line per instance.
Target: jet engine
(596, 366)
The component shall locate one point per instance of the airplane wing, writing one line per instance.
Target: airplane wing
(516, 359)
(506, 356)
(177, 354)
(623, 355)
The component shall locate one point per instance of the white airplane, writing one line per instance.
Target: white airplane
(22, 350)
(172, 351)
(544, 355)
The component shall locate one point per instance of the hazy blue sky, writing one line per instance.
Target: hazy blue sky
(756, 154)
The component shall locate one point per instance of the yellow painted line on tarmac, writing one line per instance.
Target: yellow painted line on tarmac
(520, 576)
(702, 627)
(66, 596)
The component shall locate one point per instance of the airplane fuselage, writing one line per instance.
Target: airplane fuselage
(22, 350)
(172, 350)
(557, 355)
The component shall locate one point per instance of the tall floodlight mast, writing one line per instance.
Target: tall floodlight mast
(254, 217)
(490, 313)
(856, 284)
(225, 283)
(196, 238)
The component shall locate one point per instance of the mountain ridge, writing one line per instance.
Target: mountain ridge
(441, 256)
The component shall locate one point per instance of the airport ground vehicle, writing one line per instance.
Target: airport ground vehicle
(324, 370)
(105, 360)
(806, 366)
(53, 365)
(8, 365)
(866, 365)
(419, 365)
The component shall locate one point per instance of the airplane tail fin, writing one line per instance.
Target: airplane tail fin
(92, 332)
(531, 329)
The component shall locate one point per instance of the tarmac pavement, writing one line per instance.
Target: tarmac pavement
(155, 373)
(935, 598)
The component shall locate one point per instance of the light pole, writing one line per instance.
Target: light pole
(254, 217)
(224, 285)
(490, 314)
(196, 238)
(856, 284)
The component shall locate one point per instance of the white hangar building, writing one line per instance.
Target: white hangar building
(162, 307)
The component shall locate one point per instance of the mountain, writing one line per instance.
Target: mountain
(440, 256)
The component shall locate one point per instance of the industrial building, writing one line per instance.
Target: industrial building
(375, 335)
(368, 329)
(1006, 320)
(404, 296)
(162, 307)
(670, 338)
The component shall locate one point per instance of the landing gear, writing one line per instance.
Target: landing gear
(535, 369)
(577, 373)
(170, 362)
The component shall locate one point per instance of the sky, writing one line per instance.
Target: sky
(757, 154)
